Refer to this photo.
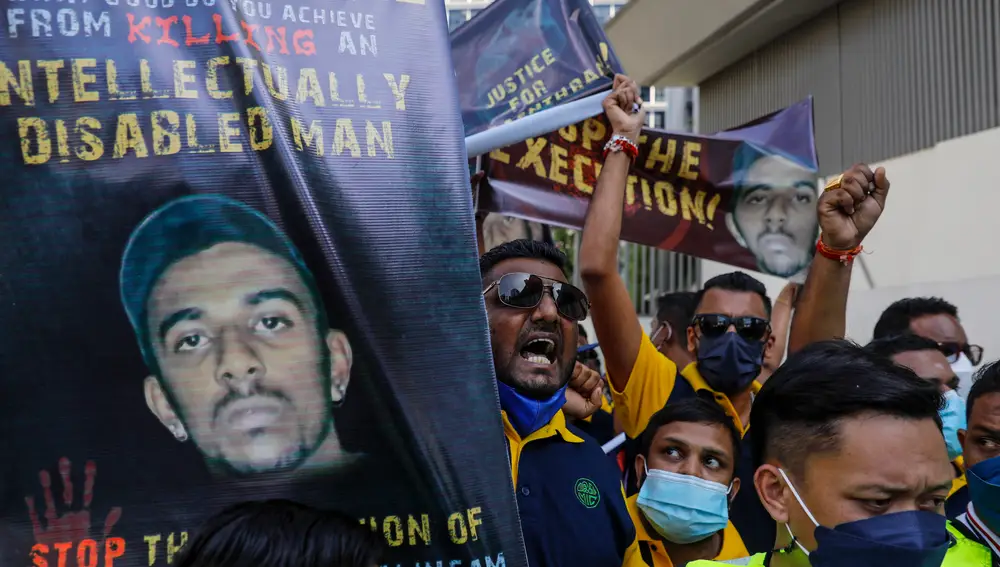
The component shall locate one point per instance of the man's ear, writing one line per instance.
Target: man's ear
(962, 436)
(341, 361)
(640, 470)
(769, 344)
(692, 340)
(734, 490)
(159, 405)
(771, 491)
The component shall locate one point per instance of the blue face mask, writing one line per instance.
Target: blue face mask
(729, 363)
(914, 539)
(528, 415)
(683, 508)
(953, 419)
(984, 491)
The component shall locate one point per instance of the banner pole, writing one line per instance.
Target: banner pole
(475, 190)
(537, 124)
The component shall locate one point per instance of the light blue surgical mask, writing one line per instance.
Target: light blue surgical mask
(683, 508)
(952, 419)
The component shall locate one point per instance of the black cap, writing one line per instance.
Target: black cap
(184, 227)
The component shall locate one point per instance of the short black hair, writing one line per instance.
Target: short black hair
(692, 410)
(281, 533)
(889, 347)
(736, 281)
(896, 318)
(985, 381)
(799, 410)
(521, 248)
(677, 309)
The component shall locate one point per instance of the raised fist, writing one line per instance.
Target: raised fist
(851, 205)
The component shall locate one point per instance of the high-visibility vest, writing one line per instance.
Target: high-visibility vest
(965, 553)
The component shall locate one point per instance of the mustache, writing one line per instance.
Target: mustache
(780, 232)
(234, 396)
(542, 327)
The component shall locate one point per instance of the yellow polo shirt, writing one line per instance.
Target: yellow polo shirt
(649, 387)
(959, 482)
(732, 545)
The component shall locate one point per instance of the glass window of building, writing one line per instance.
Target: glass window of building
(603, 13)
(455, 19)
(472, 13)
(644, 94)
(661, 94)
(659, 120)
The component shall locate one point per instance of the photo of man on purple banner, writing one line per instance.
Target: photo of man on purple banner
(774, 210)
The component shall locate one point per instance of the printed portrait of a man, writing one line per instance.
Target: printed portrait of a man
(774, 210)
(241, 358)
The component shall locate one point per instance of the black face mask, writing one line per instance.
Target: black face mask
(729, 363)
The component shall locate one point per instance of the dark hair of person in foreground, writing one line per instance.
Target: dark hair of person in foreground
(281, 533)
(800, 410)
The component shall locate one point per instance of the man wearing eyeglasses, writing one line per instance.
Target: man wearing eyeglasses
(937, 320)
(569, 494)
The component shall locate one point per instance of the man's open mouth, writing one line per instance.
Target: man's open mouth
(539, 351)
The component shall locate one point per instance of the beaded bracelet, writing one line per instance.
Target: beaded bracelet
(619, 143)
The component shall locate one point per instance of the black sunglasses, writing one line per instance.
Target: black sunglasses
(954, 350)
(714, 325)
(525, 291)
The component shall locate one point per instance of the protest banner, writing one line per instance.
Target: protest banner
(517, 57)
(238, 263)
(746, 197)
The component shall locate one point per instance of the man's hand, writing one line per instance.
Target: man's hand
(583, 396)
(618, 106)
(71, 526)
(847, 213)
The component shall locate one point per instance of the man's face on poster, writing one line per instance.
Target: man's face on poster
(244, 369)
(776, 214)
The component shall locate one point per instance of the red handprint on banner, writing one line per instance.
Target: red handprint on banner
(72, 525)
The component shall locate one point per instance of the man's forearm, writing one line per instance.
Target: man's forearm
(821, 311)
(603, 226)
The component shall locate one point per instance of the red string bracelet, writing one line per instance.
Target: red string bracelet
(843, 256)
